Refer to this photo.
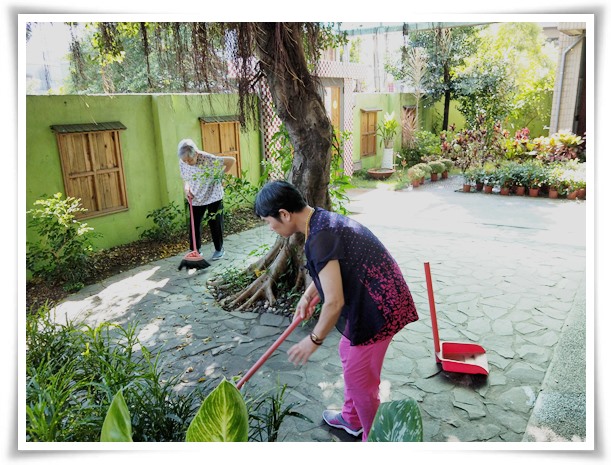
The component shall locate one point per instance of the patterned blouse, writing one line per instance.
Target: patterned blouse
(204, 178)
(377, 300)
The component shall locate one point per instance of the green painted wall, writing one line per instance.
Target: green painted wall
(387, 102)
(155, 124)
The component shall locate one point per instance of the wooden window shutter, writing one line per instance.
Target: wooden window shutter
(369, 119)
(221, 137)
(92, 166)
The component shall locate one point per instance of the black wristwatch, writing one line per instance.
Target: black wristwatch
(315, 339)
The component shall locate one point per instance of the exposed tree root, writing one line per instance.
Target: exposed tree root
(283, 260)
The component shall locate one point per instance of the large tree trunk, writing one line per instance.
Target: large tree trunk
(447, 97)
(300, 106)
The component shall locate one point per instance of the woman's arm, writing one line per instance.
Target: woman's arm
(332, 288)
(303, 306)
(228, 163)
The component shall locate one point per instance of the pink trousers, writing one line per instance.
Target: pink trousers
(362, 369)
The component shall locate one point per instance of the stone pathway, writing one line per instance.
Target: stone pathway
(508, 274)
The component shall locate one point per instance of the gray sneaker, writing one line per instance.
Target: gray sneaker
(218, 254)
(334, 419)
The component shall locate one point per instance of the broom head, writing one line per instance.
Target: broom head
(193, 260)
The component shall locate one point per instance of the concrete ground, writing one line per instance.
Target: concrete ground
(509, 274)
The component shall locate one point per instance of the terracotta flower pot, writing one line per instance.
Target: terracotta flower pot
(581, 193)
(504, 190)
(533, 192)
(487, 189)
(434, 177)
(552, 194)
(520, 190)
(466, 187)
(479, 186)
(444, 175)
(571, 195)
(415, 183)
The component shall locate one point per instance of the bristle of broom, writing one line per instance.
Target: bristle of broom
(193, 264)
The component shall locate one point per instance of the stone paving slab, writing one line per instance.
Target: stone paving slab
(507, 274)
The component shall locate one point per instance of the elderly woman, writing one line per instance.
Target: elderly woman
(363, 291)
(202, 174)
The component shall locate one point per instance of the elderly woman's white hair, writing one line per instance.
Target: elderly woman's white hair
(186, 149)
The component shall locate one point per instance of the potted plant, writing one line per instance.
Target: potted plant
(468, 180)
(478, 174)
(425, 169)
(387, 130)
(437, 167)
(517, 172)
(504, 180)
(414, 174)
(448, 164)
(555, 183)
(490, 180)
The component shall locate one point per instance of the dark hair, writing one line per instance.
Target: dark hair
(276, 195)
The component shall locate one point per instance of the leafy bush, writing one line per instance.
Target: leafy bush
(437, 167)
(449, 164)
(411, 156)
(73, 373)
(427, 144)
(168, 222)
(561, 146)
(63, 250)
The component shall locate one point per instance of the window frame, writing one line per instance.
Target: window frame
(98, 175)
(369, 140)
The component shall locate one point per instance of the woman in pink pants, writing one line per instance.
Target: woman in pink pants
(363, 292)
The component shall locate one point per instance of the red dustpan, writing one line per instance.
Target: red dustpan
(455, 356)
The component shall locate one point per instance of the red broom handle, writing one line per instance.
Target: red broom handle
(429, 287)
(192, 224)
(296, 321)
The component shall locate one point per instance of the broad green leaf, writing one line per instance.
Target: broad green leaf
(117, 425)
(222, 417)
(397, 421)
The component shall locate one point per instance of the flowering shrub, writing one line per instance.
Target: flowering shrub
(474, 146)
(561, 146)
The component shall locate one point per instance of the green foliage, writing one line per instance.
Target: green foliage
(117, 425)
(449, 164)
(561, 146)
(485, 94)
(280, 161)
(425, 168)
(397, 421)
(511, 76)
(475, 146)
(168, 222)
(446, 51)
(239, 193)
(280, 164)
(63, 249)
(409, 156)
(73, 372)
(427, 143)
(437, 167)
(415, 173)
(222, 417)
(267, 412)
(339, 181)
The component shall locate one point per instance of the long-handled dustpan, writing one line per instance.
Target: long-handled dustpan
(458, 357)
(274, 346)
